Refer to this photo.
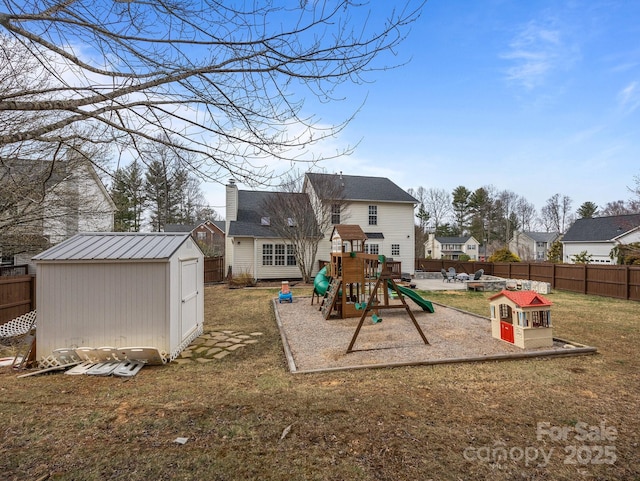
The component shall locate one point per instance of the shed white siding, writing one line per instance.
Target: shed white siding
(91, 294)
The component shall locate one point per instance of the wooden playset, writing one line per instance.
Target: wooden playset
(522, 318)
(361, 284)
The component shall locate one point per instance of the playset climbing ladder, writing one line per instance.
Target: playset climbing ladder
(328, 303)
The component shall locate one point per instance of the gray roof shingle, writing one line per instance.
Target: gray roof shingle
(601, 228)
(250, 213)
(373, 189)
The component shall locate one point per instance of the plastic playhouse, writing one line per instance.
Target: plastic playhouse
(522, 318)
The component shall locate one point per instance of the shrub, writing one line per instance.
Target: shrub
(504, 255)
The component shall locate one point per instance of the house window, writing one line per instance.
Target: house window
(279, 254)
(202, 235)
(371, 249)
(291, 255)
(373, 215)
(335, 214)
(267, 254)
(471, 247)
(395, 249)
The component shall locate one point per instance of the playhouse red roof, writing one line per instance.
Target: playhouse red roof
(523, 298)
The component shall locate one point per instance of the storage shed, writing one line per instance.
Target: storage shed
(120, 290)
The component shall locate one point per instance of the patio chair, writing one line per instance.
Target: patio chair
(445, 277)
(451, 274)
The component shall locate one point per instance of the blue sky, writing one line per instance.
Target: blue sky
(536, 97)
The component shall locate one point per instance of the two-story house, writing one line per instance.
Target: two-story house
(451, 247)
(383, 210)
(597, 236)
(209, 234)
(56, 201)
(532, 246)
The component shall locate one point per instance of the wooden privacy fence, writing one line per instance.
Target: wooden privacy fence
(213, 269)
(17, 296)
(621, 282)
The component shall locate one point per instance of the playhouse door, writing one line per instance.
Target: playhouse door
(189, 290)
(506, 331)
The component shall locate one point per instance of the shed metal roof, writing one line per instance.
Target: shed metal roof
(115, 246)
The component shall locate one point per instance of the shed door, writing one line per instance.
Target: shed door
(189, 283)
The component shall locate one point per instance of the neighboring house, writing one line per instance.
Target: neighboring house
(451, 247)
(73, 200)
(597, 236)
(532, 246)
(210, 235)
(383, 210)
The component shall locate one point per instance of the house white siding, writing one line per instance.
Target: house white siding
(274, 271)
(599, 251)
(394, 221)
(243, 249)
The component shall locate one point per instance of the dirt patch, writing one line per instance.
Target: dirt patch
(316, 344)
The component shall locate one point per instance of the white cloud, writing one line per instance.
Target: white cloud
(535, 52)
(629, 97)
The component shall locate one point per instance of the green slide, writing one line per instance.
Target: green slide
(321, 281)
(411, 294)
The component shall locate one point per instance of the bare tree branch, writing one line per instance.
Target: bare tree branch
(228, 83)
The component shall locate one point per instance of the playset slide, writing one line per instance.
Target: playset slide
(423, 303)
(321, 281)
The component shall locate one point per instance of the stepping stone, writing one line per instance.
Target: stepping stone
(243, 336)
(234, 347)
(203, 360)
(251, 341)
(224, 344)
(234, 339)
(221, 354)
(256, 334)
(213, 351)
(182, 361)
(211, 342)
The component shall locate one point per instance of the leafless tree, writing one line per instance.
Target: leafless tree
(303, 218)
(437, 203)
(526, 213)
(229, 82)
(556, 214)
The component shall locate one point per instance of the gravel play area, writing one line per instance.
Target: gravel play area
(314, 344)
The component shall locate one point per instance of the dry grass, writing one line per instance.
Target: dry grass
(385, 424)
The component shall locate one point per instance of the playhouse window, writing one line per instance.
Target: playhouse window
(505, 312)
(540, 318)
(395, 249)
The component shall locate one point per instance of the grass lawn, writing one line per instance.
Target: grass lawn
(246, 417)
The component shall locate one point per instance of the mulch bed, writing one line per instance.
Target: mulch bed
(313, 343)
